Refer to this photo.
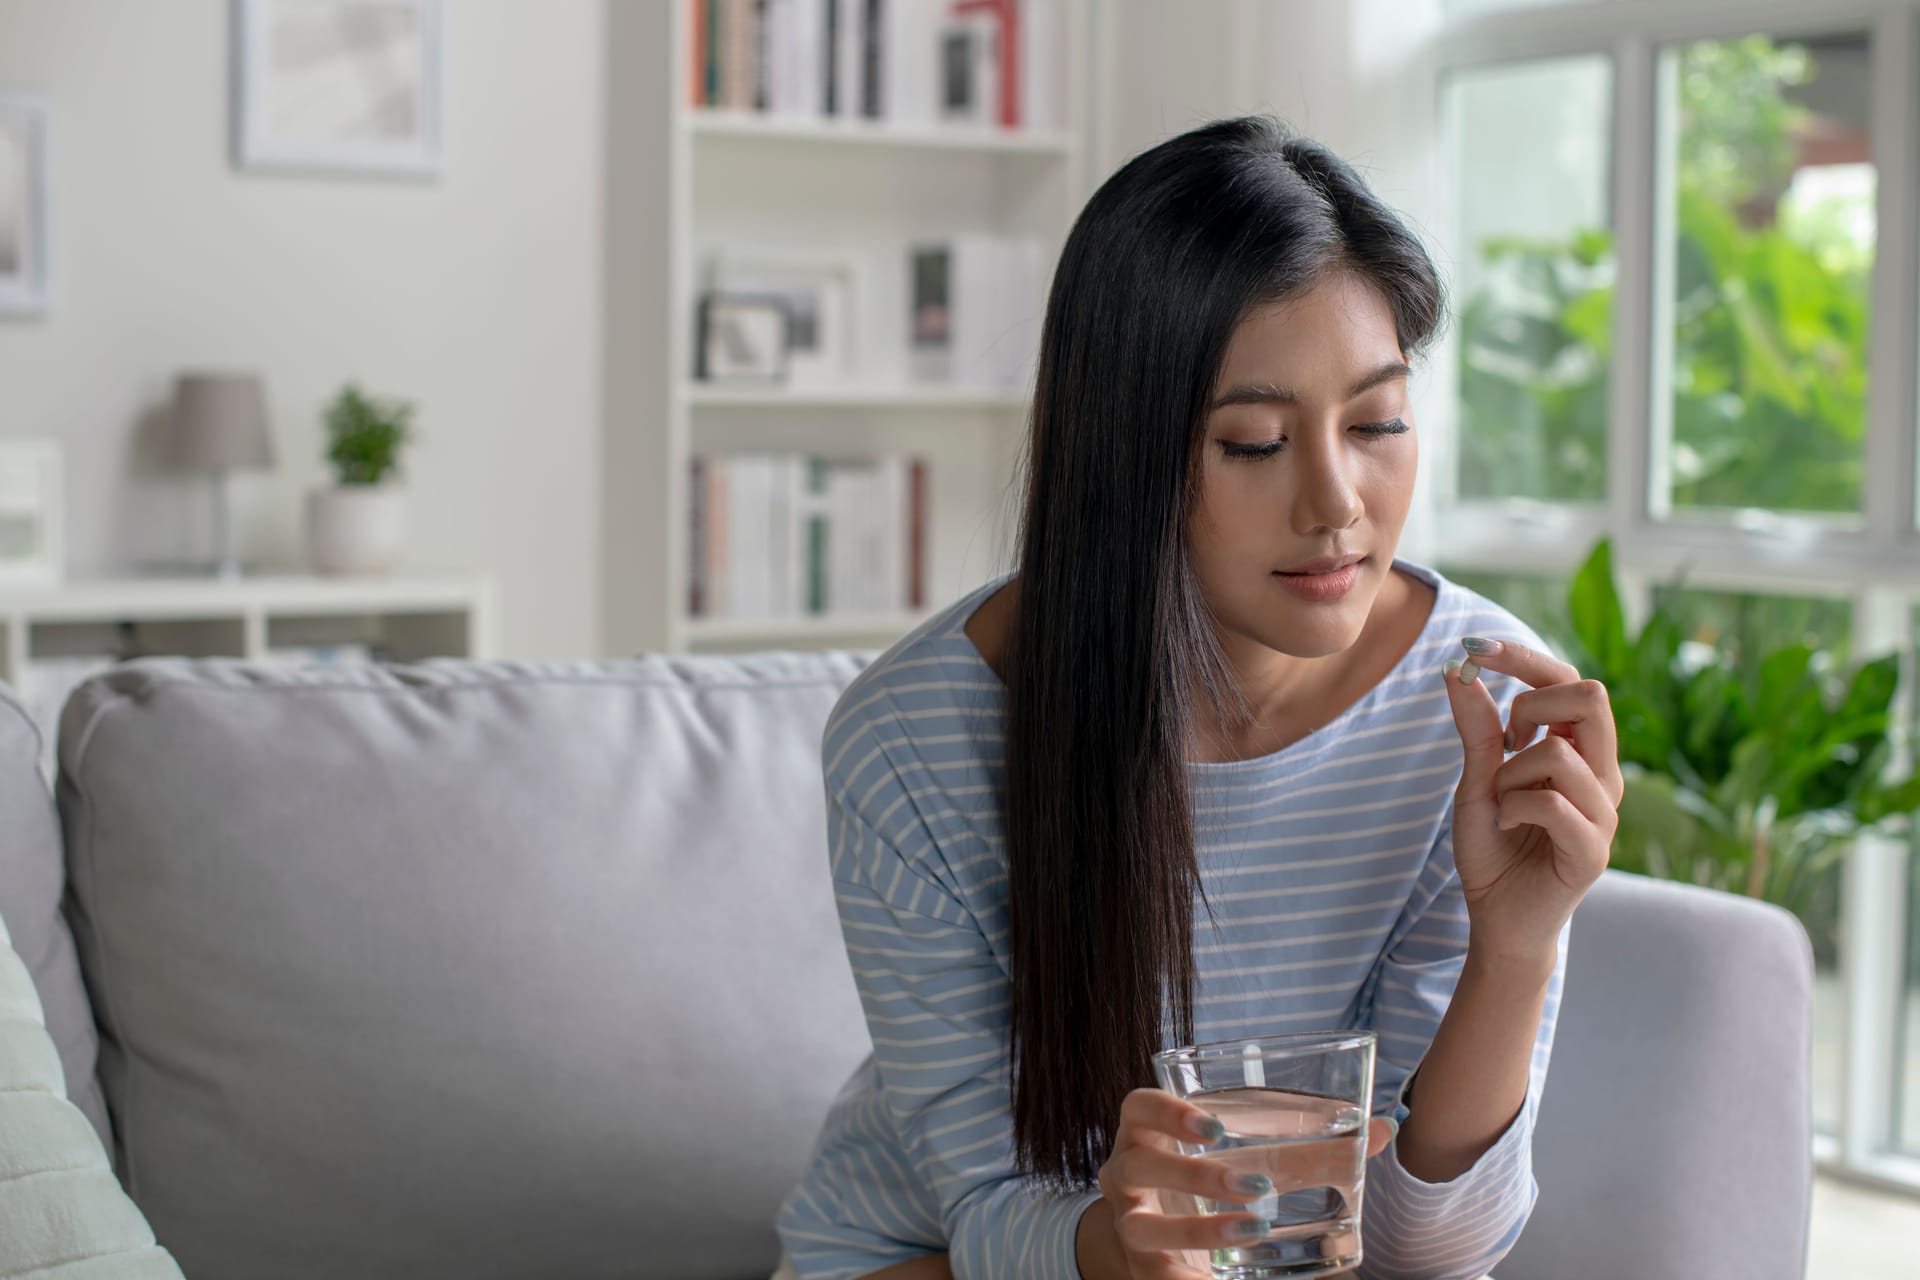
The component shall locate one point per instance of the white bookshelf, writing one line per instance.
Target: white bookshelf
(681, 180)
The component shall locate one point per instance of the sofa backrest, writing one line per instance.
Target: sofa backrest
(32, 878)
(487, 970)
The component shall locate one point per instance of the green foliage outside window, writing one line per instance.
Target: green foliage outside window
(1769, 314)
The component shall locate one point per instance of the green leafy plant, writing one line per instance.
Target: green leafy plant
(1748, 772)
(1770, 317)
(365, 435)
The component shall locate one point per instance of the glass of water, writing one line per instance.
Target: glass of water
(1295, 1108)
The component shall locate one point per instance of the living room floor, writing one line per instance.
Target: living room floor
(1861, 1234)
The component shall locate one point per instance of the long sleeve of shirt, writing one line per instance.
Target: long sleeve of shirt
(1456, 1229)
(935, 998)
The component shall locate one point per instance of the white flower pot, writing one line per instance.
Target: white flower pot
(356, 529)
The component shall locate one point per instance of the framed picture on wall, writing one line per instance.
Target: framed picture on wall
(742, 337)
(32, 519)
(25, 239)
(340, 86)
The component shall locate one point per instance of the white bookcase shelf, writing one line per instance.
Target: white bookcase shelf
(742, 397)
(719, 123)
(683, 180)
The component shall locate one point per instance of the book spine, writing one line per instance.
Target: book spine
(696, 537)
(873, 16)
(719, 582)
(917, 535)
(740, 41)
(794, 473)
(716, 43)
(697, 70)
(761, 69)
(830, 58)
(892, 524)
(816, 535)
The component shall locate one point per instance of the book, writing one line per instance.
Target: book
(797, 535)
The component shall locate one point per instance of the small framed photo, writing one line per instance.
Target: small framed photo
(25, 237)
(743, 338)
(342, 86)
(822, 291)
(32, 537)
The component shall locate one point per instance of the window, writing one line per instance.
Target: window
(1684, 321)
(1535, 279)
(1771, 203)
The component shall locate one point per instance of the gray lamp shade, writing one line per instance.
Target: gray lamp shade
(219, 421)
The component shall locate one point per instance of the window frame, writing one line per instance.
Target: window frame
(1872, 560)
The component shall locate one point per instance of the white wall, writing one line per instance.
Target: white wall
(475, 295)
(1345, 72)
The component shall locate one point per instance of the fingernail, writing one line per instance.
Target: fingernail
(1247, 1229)
(1209, 1128)
(1251, 1184)
(1479, 645)
(1452, 665)
(1469, 673)
(1393, 1128)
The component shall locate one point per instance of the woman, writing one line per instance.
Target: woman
(1195, 770)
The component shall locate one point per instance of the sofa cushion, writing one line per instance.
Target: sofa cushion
(32, 879)
(461, 969)
(62, 1215)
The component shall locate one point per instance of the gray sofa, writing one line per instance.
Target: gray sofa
(531, 970)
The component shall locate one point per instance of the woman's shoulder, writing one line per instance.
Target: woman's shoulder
(930, 692)
(1462, 610)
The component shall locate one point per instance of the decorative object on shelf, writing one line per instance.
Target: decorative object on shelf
(32, 527)
(26, 260)
(742, 338)
(359, 525)
(821, 289)
(219, 425)
(343, 86)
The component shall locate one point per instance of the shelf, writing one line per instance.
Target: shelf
(749, 397)
(82, 599)
(711, 122)
(807, 628)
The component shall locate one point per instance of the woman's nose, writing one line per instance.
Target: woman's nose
(1329, 497)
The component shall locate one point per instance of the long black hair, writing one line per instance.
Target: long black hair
(1111, 641)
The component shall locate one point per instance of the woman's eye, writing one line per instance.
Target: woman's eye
(1254, 452)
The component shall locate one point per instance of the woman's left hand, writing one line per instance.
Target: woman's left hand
(1531, 833)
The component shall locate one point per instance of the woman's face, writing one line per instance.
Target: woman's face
(1321, 376)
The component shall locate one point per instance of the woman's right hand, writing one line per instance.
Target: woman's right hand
(1151, 1190)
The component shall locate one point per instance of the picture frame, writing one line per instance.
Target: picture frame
(339, 86)
(742, 338)
(822, 289)
(32, 513)
(26, 206)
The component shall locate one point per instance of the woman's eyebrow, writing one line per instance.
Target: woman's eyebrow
(1268, 393)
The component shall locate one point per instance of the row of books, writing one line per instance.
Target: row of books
(976, 308)
(908, 62)
(777, 535)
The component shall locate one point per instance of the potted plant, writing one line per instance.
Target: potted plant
(1745, 772)
(359, 524)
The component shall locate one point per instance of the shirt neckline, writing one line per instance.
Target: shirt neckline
(1307, 746)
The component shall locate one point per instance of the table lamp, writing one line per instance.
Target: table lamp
(219, 424)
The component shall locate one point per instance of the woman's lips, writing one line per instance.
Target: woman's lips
(1321, 587)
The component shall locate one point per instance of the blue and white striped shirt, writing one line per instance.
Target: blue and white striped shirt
(1329, 867)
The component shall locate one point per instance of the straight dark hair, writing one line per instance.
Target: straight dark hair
(1112, 641)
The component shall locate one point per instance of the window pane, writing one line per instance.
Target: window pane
(1535, 277)
(1805, 877)
(1906, 1134)
(1772, 204)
